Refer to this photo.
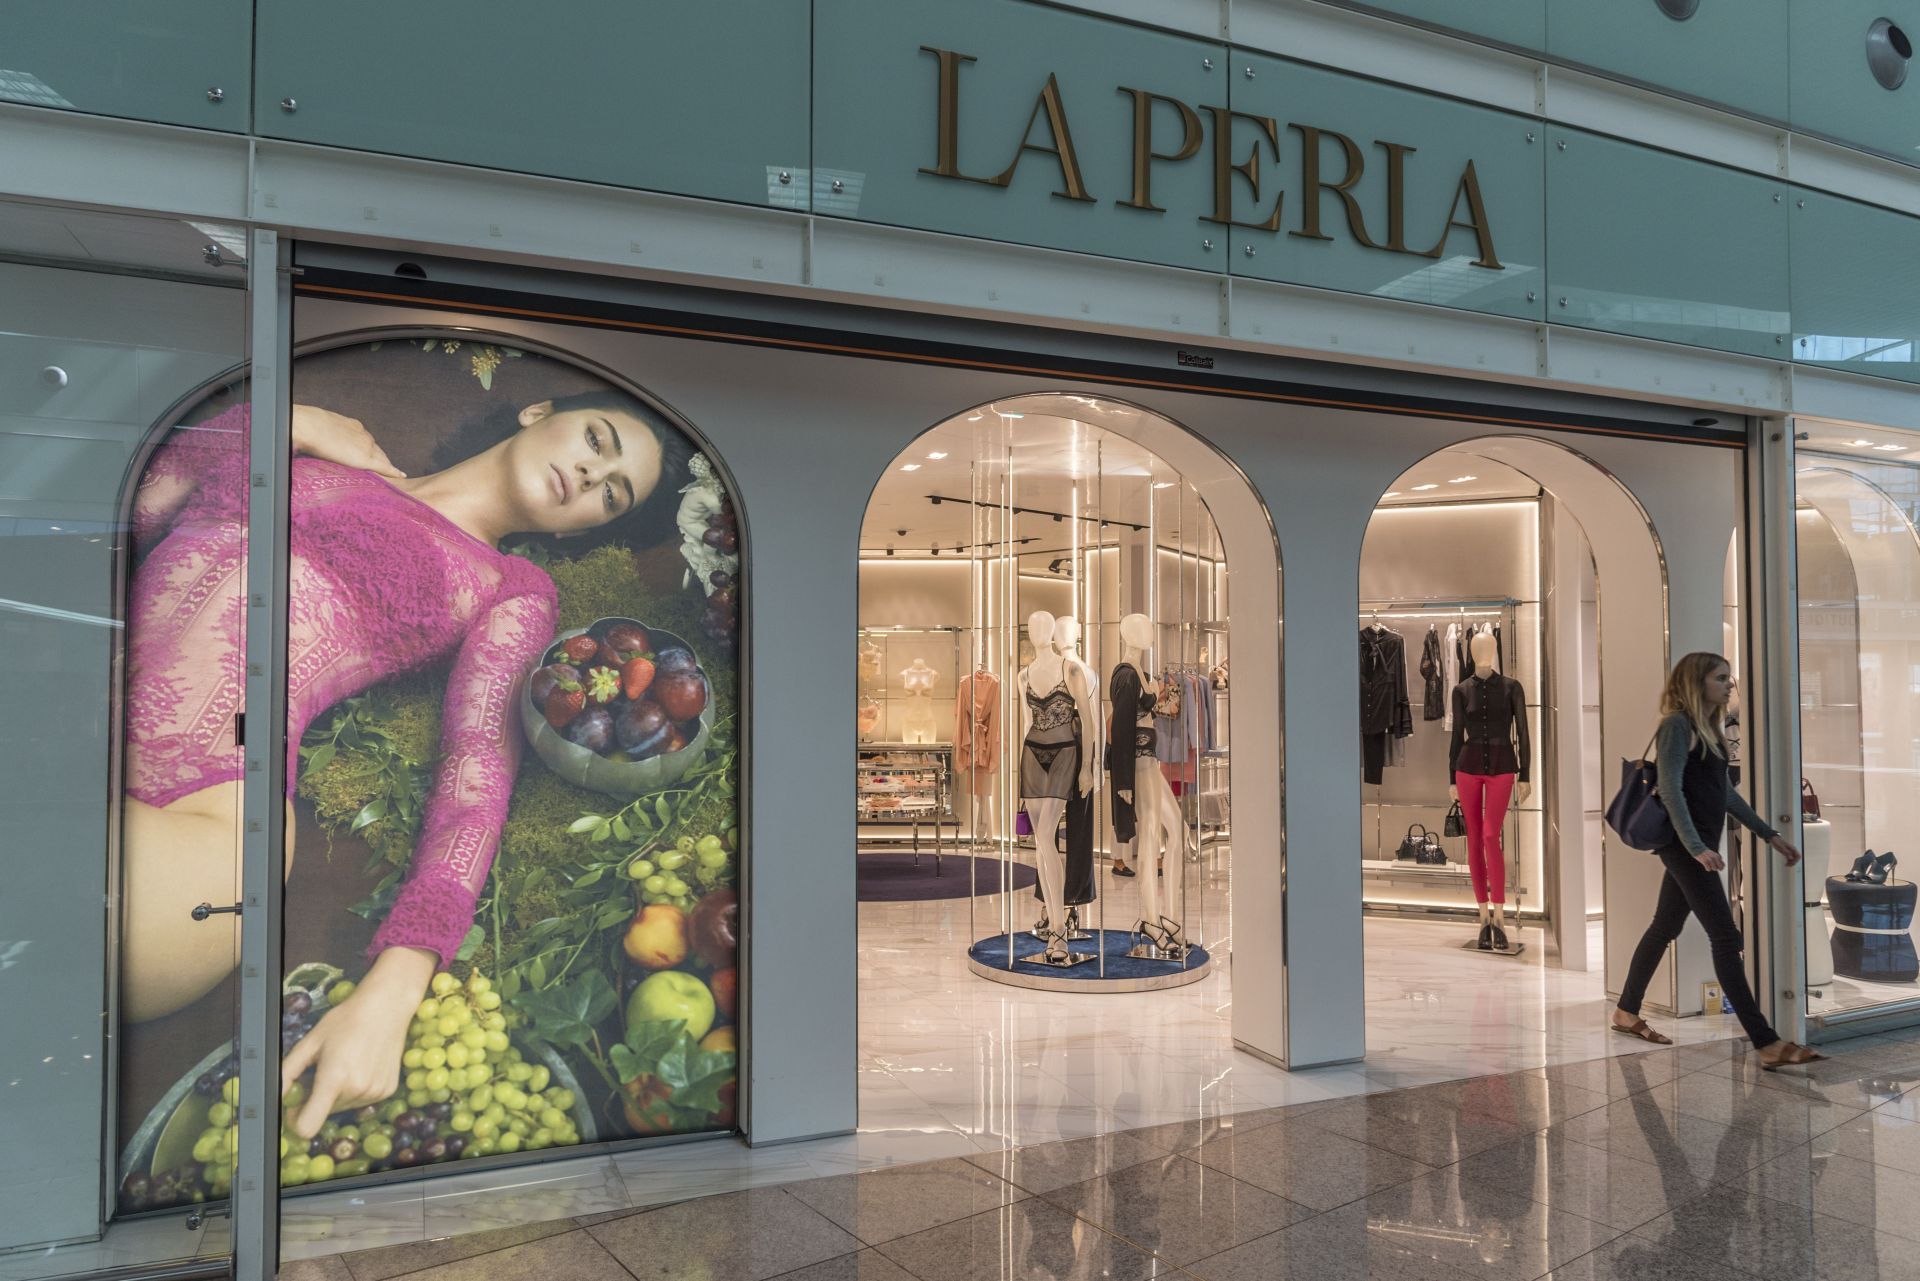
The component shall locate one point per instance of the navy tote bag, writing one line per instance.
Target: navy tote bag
(1636, 814)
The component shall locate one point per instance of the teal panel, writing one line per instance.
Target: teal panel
(1514, 22)
(1646, 243)
(877, 125)
(131, 58)
(1354, 250)
(1856, 287)
(699, 97)
(1726, 51)
(1832, 88)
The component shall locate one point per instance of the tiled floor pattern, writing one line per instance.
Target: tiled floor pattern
(1685, 1163)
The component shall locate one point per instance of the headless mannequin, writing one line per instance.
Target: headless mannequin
(1079, 862)
(1047, 672)
(1157, 813)
(918, 680)
(1486, 657)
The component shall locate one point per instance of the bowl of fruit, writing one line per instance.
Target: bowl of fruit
(466, 1090)
(619, 707)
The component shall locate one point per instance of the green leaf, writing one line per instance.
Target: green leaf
(610, 915)
(470, 944)
(602, 833)
(567, 1014)
(620, 828)
(321, 758)
(510, 985)
(581, 883)
(584, 823)
(537, 972)
(661, 809)
(372, 812)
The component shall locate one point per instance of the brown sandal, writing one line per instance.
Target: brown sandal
(1793, 1055)
(1639, 1030)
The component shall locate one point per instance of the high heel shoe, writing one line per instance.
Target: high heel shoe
(1500, 943)
(1858, 871)
(1881, 871)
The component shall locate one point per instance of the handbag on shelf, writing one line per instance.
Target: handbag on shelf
(1456, 822)
(1433, 854)
(1809, 800)
(1636, 814)
(1413, 846)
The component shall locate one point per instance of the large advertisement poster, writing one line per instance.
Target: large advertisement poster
(512, 908)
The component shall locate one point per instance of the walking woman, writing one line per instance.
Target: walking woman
(1691, 755)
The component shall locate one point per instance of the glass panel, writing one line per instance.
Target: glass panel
(662, 97)
(184, 63)
(1730, 53)
(1618, 261)
(95, 363)
(1465, 228)
(1856, 287)
(1858, 498)
(1838, 46)
(878, 129)
(1518, 22)
(514, 694)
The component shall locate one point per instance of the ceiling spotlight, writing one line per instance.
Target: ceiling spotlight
(1421, 489)
(934, 499)
(1891, 449)
(937, 455)
(909, 466)
(1057, 518)
(1391, 493)
(889, 549)
(936, 549)
(1859, 444)
(1163, 484)
(1461, 480)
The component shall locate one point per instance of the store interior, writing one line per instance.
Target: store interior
(1859, 557)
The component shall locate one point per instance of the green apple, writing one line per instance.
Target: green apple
(671, 994)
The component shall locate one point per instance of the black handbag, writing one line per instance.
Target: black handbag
(1456, 822)
(1413, 846)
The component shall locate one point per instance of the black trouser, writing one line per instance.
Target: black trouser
(1689, 887)
(1373, 755)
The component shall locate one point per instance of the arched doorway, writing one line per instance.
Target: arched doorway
(1013, 530)
(1555, 566)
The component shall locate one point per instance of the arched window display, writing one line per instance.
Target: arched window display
(513, 838)
(1858, 501)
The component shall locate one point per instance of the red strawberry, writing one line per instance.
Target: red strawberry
(603, 685)
(579, 649)
(566, 701)
(635, 675)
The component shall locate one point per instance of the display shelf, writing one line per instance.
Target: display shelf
(1400, 867)
(906, 785)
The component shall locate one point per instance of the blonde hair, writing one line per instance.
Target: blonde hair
(1686, 695)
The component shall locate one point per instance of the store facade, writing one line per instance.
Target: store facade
(580, 498)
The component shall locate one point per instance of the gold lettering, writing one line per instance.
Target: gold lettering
(1143, 153)
(1061, 150)
(1478, 224)
(1312, 184)
(948, 164)
(1224, 168)
(1396, 195)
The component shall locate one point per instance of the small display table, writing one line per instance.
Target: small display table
(1872, 936)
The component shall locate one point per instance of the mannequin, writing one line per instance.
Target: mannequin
(917, 680)
(1055, 767)
(1079, 882)
(1146, 817)
(870, 714)
(976, 746)
(1488, 759)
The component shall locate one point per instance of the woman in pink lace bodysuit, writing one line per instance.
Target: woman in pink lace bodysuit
(388, 574)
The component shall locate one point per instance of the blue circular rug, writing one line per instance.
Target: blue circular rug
(893, 878)
(992, 952)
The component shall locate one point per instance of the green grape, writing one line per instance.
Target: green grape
(474, 1037)
(478, 982)
(540, 1138)
(392, 1108)
(349, 1132)
(672, 861)
(429, 1010)
(436, 1057)
(296, 1095)
(437, 1079)
(538, 1081)
(508, 1142)
(377, 1145)
(639, 869)
(495, 1022)
(431, 1041)
(553, 1119)
(488, 1000)
(455, 1055)
(676, 887)
(348, 1169)
(208, 1145)
(339, 991)
(443, 983)
(480, 1097)
(319, 1168)
(480, 1147)
(461, 1121)
(655, 884)
(293, 1170)
(520, 1071)
(562, 1099)
(416, 1079)
(440, 1095)
(710, 849)
(413, 1058)
(733, 838)
(448, 1025)
(230, 1091)
(479, 1074)
(485, 1128)
(220, 1114)
(685, 845)
(417, 1098)
(457, 1080)
(283, 1145)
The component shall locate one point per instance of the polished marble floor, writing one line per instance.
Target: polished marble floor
(955, 1067)
(1682, 1164)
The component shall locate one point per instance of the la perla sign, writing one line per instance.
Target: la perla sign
(1320, 162)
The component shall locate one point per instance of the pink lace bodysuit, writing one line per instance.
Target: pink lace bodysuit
(379, 584)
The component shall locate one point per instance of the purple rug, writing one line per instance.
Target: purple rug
(893, 878)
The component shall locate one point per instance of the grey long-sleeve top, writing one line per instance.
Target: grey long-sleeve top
(1671, 752)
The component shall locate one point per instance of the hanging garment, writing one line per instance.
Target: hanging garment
(1079, 849)
(1384, 710)
(1131, 735)
(976, 732)
(1050, 754)
(1433, 705)
(1489, 727)
(1483, 804)
(1450, 654)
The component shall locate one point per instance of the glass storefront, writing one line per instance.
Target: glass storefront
(1858, 501)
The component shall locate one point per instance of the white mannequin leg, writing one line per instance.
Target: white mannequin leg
(1048, 858)
(1146, 800)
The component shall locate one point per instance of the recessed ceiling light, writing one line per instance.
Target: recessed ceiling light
(1004, 414)
(1891, 449)
(1461, 480)
(937, 455)
(1163, 484)
(1423, 488)
(909, 466)
(1391, 493)
(1859, 444)
(973, 418)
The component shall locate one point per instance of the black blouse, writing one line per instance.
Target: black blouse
(1490, 727)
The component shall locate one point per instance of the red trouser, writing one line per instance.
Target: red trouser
(1483, 803)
